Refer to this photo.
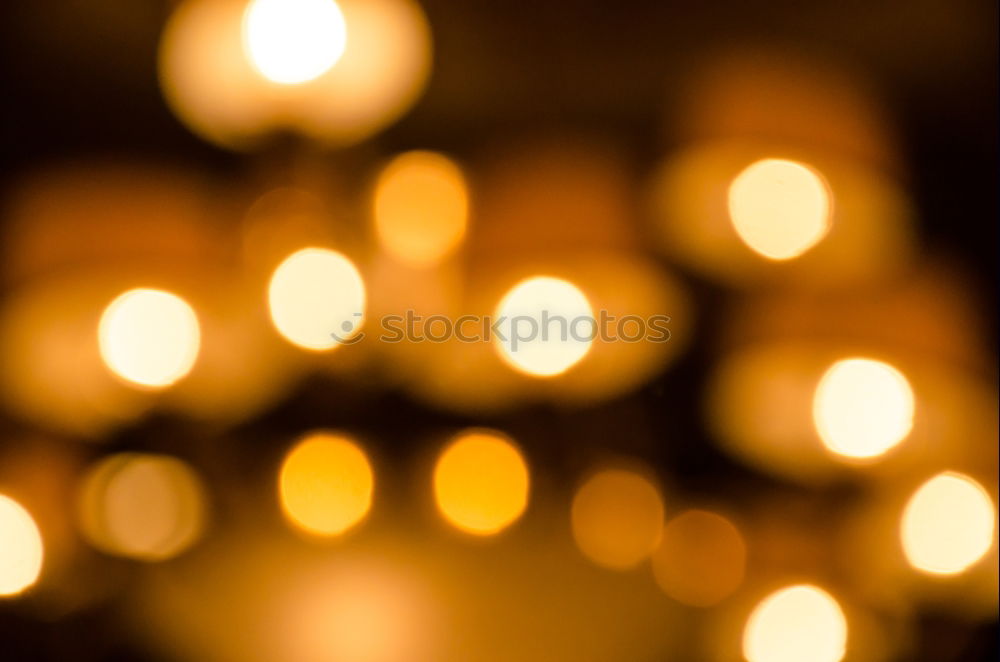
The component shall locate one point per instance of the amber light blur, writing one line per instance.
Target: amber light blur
(356, 611)
(293, 41)
(554, 341)
(149, 337)
(701, 558)
(325, 484)
(732, 212)
(948, 525)
(779, 208)
(21, 550)
(317, 299)
(617, 518)
(141, 506)
(797, 623)
(421, 207)
(233, 73)
(862, 408)
(481, 482)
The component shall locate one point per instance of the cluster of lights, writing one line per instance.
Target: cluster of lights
(780, 209)
(152, 507)
(150, 338)
(862, 408)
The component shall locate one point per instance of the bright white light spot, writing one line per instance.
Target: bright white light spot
(796, 624)
(317, 299)
(293, 41)
(20, 548)
(548, 326)
(948, 524)
(149, 337)
(862, 408)
(779, 208)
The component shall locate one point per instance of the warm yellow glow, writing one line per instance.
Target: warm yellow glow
(383, 70)
(149, 337)
(147, 507)
(481, 482)
(548, 326)
(293, 41)
(21, 549)
(794, 624)
(326, 484)
(779, 208)
(862, 408)
(317, 299)
(948, 524)
(701, 559)
(421, 207)
(233, 75)
(617, 518)
(355, 611)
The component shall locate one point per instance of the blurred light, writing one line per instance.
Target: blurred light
(481, 482)
(317, 299)
(779, 208)
(550, 196)
(862, 408)
(638, 296)
(293, 41)
(21, 549)
(760, 409)
(149, 337)
(243, 366)
(326, 484)
(142, 506)
(384, 69)
(701, 558)
(795, 624)
(357, 611)
(216, 87)
(206, 78)
(421, 207)
(649, 308)
(948, 524)
(282, 221)
(780, 96)
(548, 326)
(51, 370)
(617, 518)
(851, 226)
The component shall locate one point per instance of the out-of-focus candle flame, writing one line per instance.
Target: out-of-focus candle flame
(797, 623)
(948, 525)
(701, 559)
(326, 484)
(481, 482)
(293, 41)
(862, 408)
(149, 337)
(21, 549)
(617, 518)
(421, 207)
(547, 326)
(142, 506)
(317, 299)
(779, 208)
